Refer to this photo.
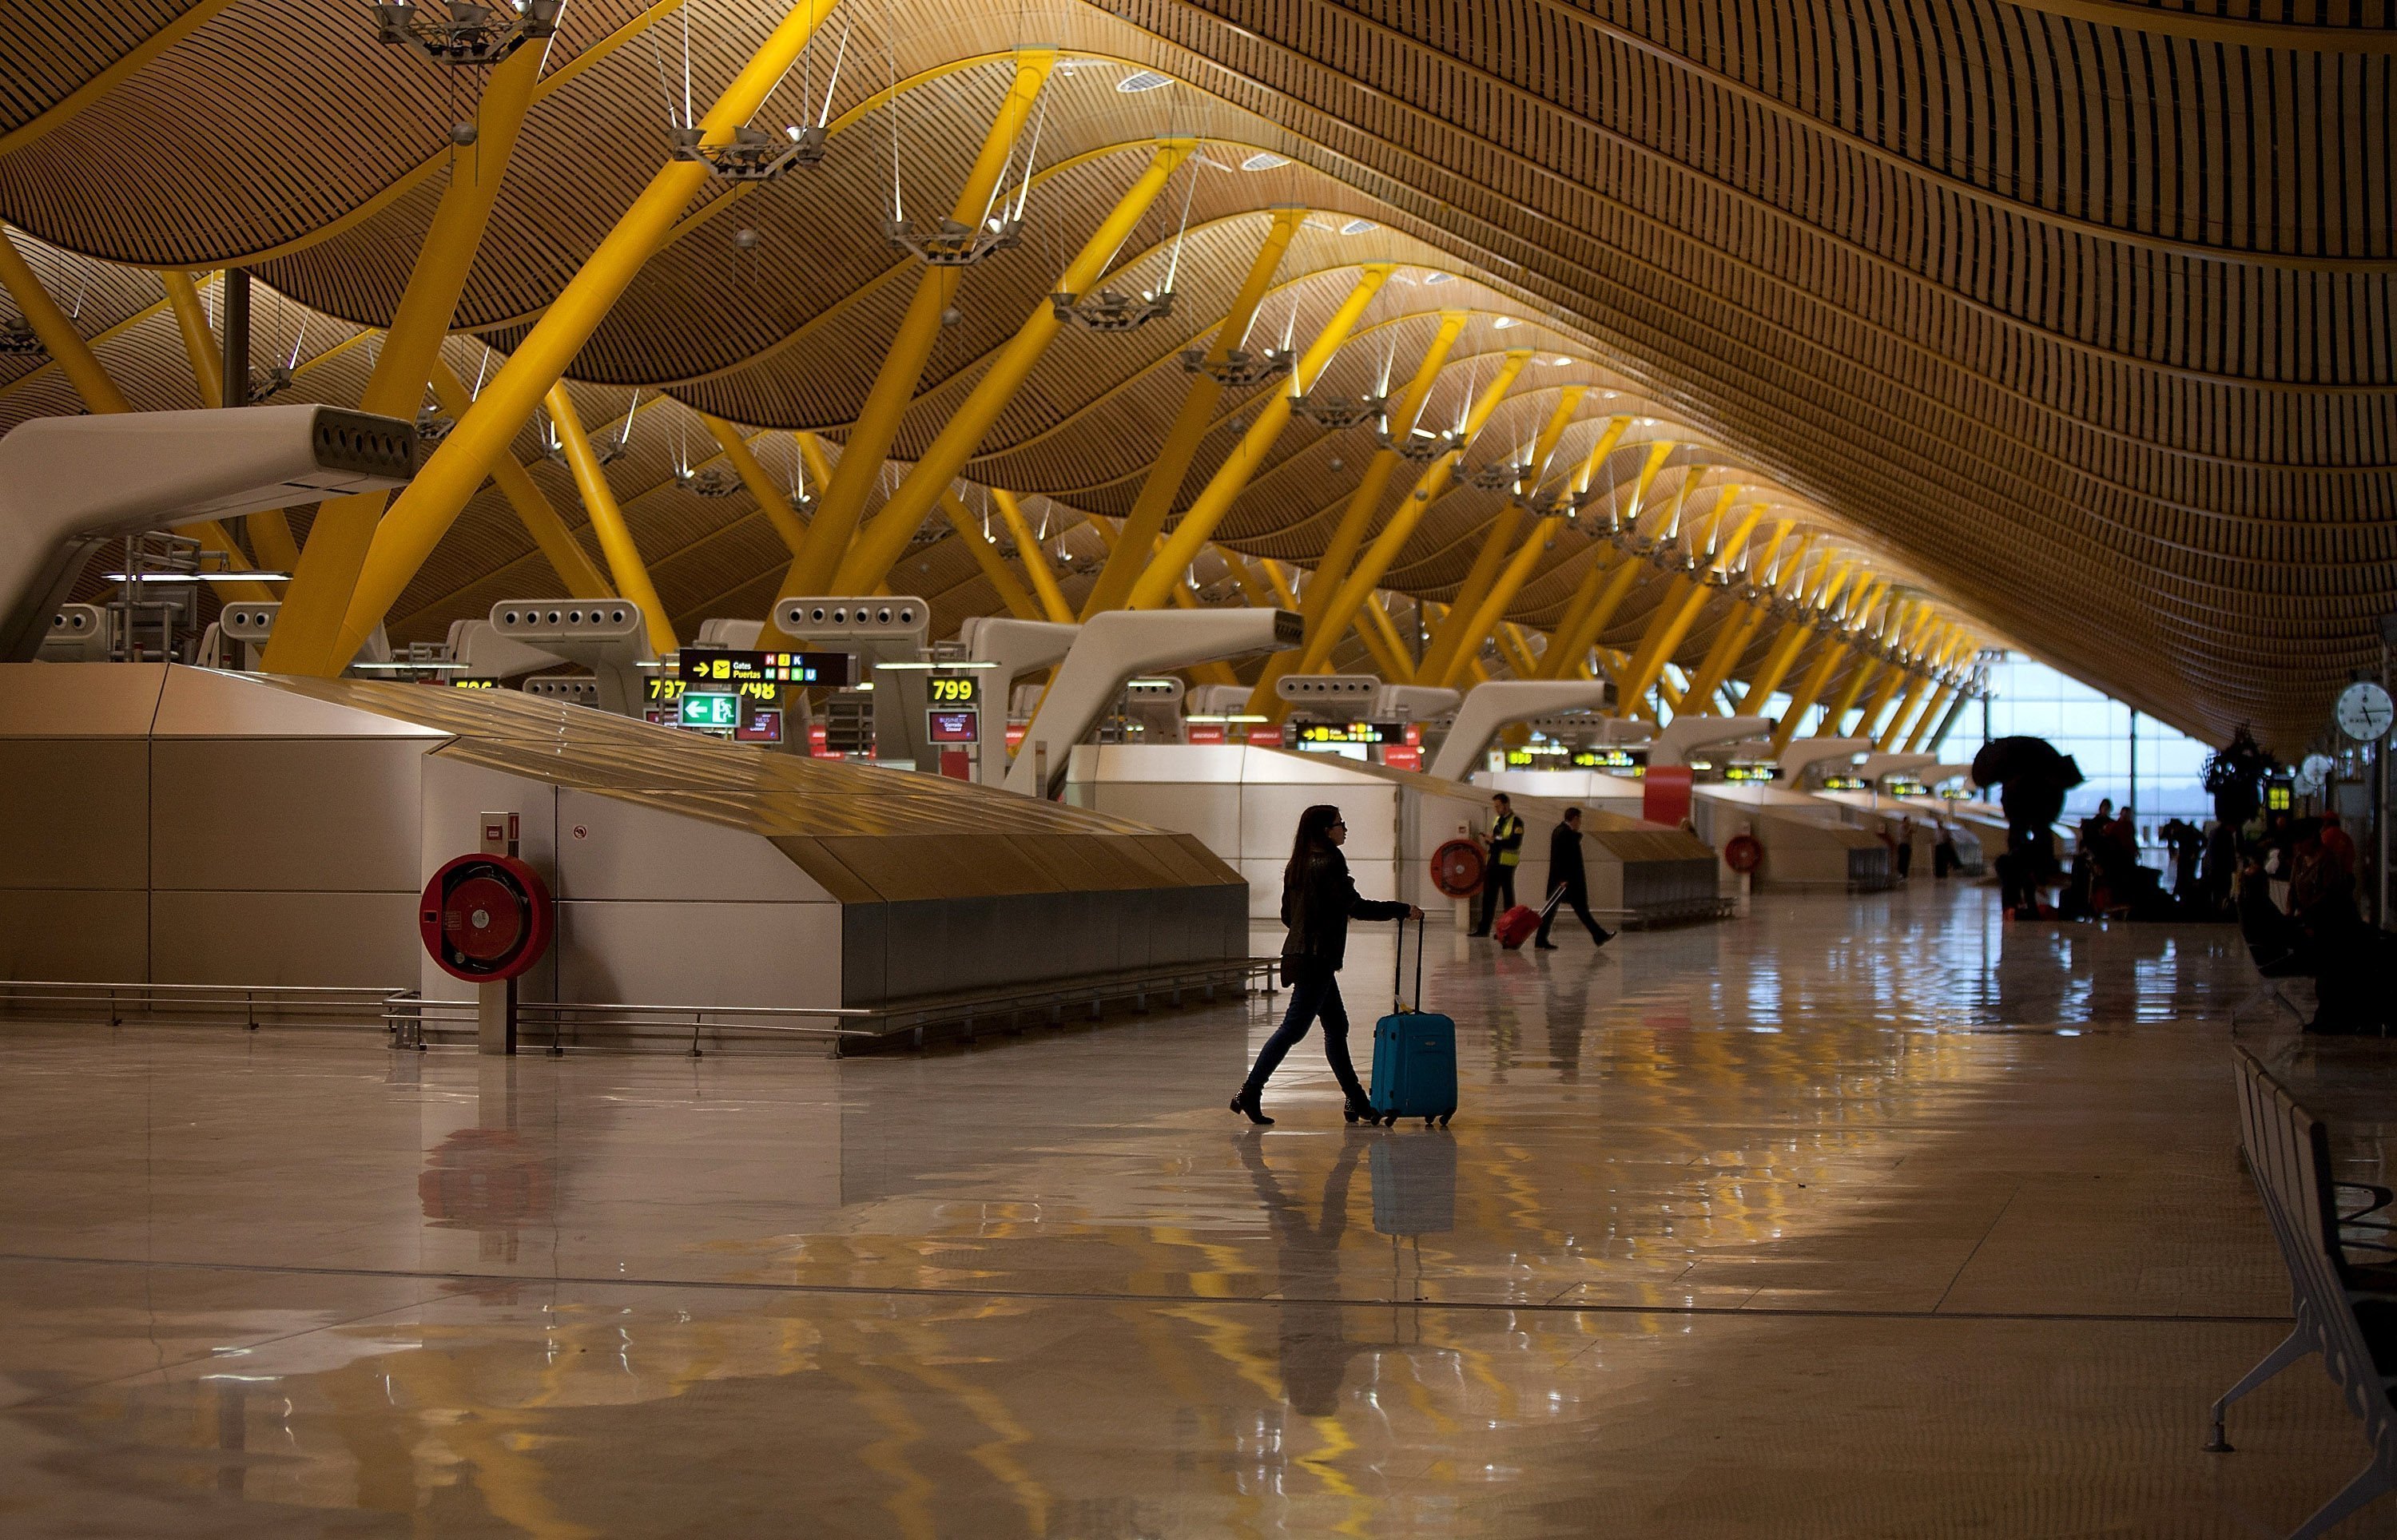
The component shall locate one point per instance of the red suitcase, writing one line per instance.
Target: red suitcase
(1519, 925)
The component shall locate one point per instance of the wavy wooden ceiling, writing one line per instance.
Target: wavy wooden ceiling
(2064, 311)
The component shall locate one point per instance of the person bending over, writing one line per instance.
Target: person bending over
(1567, 884)
(1318, 898)
(1505, 850)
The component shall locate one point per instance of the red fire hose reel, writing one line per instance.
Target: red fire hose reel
(1742, 853)
(1456, 868)
(487, 918)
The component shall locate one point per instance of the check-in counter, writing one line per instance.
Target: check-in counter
(1243, 802)
(1808, 845)
(1915, 820)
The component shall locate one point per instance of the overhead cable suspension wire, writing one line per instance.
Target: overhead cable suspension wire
(890, 52)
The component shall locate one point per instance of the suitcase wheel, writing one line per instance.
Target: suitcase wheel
(1444, 1117)
(1428, 1122)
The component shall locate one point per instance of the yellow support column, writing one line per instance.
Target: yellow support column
(1885, 734)
(880, 542)
(1391, 653)
(1270, 597)
(1792, 639)
(270, 532)
(1868, 669)
(1677, 610)
(1491, 609)
(1579, 608)
(1802, 700)
(1359, 587)
(309, 629)
(1675, 613)
(1348, 535)
(58, 337)
(81, 366)
(1889, 675)
(1035, 560)
(1231, 478)
(1517, 651)
(1147, 520)
(558, 546)
(608, 521)
(1012, 592)
(1737, 633)
(842, 501)
(762, 488)
(424, 512)
(1496, 545)
(1340, 551)
(1612, 578)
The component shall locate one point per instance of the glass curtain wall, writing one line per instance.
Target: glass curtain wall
(2033, 701)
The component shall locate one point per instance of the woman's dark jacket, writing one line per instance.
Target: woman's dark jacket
(1317, 904)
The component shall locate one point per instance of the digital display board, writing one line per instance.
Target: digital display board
(474, 684)
(1310, 733)
(964, 727)
(716, 665)
(667, 690)
(1751, 772)
(1843, 783)
(763, 725)
(1899, 785)
(953, 690)
(1610, 759)
(711, 713)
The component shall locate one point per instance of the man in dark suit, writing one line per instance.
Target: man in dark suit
(1568, 885)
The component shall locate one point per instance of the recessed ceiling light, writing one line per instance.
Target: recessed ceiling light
(1312, 223)
(1560, 363)
(1145, 80)
(1263, 160)
(1358, 226)
(1439, 278)
(1506, 322)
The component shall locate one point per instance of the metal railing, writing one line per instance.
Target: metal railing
(404, 1015)
(208, 1003)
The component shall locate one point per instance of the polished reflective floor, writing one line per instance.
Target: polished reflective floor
(1851, 1218)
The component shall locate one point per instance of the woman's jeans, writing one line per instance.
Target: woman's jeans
(1314, 991)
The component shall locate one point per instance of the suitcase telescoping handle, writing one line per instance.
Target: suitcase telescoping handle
(1399, 966)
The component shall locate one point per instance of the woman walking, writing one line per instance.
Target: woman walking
(1317, 900)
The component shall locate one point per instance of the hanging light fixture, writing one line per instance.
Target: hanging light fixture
(1113, 310)
(754, 154)
(949, 243)
(1337, 412)
(707, 481)
(464, 34)
(1419, 445)
(1239, 365)
(1499, 475)
(17, 339)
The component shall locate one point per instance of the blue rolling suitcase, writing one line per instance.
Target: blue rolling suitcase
(1414, 1053)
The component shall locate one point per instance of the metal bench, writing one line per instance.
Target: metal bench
(2343, 1307)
